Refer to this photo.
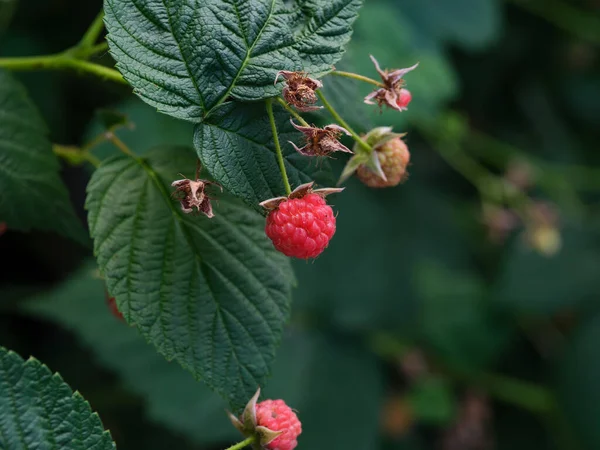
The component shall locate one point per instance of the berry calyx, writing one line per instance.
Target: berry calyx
(277, 416)
(393, 158)
(302, 224)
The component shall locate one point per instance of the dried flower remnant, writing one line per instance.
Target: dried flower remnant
(300, 90)
(393, 94)
(191, 194)
(321, 141)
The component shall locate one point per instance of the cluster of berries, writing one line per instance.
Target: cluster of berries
(302, 224)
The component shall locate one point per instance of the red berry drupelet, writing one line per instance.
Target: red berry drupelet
(301, 227)
(277, 416)
(302, 224)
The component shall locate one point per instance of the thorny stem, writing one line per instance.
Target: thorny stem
(286, 182)
(291, 110)
(242, 444)
(358, 77)
(342, 122)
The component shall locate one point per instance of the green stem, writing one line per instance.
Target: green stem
(242, 444)
(342, 122)
(75, 155)
(60, 61)
(358, 77)
(291, 110)
(286, 182)
(91, 35)
(120, 144)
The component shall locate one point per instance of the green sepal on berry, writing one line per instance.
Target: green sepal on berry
(376, 138)
(247, 424)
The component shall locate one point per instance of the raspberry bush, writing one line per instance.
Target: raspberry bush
(233, 162)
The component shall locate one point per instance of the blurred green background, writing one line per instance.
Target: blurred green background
(432, 321)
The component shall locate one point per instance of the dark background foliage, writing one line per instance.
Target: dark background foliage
(413, 330)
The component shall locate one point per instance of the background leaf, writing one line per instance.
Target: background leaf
(39, 410)
(32, 195)
(236, 146)
(211, 293)
(186, 59)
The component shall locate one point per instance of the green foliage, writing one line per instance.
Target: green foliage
(236, 146)
(211, 293)
(32, 195)
(39, 410)
(186, 60)
(432, 401)
(312, 368)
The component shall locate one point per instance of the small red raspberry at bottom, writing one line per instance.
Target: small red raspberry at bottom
(277, 416)
(112, 306)
(301, 227)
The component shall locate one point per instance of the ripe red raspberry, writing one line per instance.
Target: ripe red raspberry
(301, 227)
(277, 416)
(393, 157)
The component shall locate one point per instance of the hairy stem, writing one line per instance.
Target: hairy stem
(284, 177)
(358, 77)
(342, 122)
(242, 444)
(291, 110)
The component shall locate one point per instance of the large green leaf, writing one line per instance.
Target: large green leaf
(211, 293)
(186, 57)
(39, 410)
(32, 195)
(236, 146)
(171, 396)
(310, 373)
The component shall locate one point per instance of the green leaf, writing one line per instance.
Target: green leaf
(32, 195)
(310, 373)
(211, 293)
(39, 410)
(236, 146)
(186, 58)
(171, 396)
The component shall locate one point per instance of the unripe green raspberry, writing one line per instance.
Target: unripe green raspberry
(393, 157)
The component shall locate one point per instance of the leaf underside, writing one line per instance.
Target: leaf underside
(211, 293)
(39, 410)
(186, 57)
